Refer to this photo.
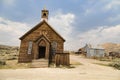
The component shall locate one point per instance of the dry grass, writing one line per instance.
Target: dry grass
(102, 64)
(110, 62)
(115, 63)
(13, 64)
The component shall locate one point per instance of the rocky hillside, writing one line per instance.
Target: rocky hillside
(8, 52)
(111, 47)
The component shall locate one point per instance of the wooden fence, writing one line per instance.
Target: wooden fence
(62, 59)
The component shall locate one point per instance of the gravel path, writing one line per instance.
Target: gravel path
(87, 71)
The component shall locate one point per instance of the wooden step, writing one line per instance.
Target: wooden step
(39, 63)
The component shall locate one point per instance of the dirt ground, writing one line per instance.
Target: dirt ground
(87, 71)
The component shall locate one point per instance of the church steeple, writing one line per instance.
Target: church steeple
(44, 14)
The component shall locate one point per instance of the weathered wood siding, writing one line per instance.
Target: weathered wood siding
(41, 29)
(62, 59)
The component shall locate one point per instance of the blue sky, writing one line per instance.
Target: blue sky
(78, 21)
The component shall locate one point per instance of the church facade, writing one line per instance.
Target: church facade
(41, 42)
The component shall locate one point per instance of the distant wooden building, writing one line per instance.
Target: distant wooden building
(41, 42)
(90, 52)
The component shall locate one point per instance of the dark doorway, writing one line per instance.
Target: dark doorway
(42, 50)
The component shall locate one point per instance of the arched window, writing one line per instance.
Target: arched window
(30, 47)
(44, 14)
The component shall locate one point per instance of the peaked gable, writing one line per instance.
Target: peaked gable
(37, 26)
(42, 36)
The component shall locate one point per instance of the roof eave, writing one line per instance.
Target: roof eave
(22, 37)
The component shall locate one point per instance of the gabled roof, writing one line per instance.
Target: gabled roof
(42, 36)
(37, 26)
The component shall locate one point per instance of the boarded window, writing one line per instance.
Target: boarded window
(54, 46)
(30, 47)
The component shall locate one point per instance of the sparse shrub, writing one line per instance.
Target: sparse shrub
(2, 62)
(94, 57)
(104, 59)
(15, 55)
(7, 52)
(2, 55)
(11, 58)
(115, 65)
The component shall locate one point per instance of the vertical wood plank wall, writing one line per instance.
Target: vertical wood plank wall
(62, 59)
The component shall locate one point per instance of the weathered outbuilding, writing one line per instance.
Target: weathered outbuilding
(90, 52)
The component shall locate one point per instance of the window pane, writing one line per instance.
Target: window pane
(30, 47)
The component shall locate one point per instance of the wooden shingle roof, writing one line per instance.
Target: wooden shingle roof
(37, 26)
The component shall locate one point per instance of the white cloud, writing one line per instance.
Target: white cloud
(62, 23)
(112, 4)
(95, 7)
(88, 11)
(100, 35)
(10, 31)
(114, 18)
(8, 2)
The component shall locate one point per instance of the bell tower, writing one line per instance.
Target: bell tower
(44, 14)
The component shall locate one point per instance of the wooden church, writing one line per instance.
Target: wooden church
(41, 43)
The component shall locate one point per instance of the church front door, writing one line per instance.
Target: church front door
(42, 51)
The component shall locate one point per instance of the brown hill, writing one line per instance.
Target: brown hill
(8, 52)
(111, 47)
(6, 47)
